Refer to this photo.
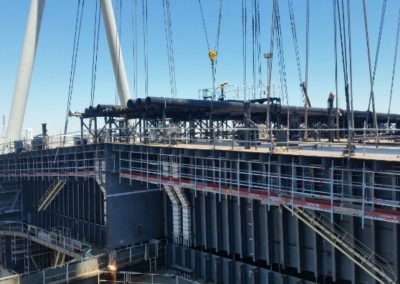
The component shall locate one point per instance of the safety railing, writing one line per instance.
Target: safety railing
(332, 189)
(257, 136)
(91, 266)
(357, 251)
(233, 92)
(53, 238)
(86, 164)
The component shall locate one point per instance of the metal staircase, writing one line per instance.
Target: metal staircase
(51, 193)
(153, 264)
(356, 251)
(186, 216)
(176, 214)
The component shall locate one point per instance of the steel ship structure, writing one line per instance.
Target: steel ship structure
(168, 190)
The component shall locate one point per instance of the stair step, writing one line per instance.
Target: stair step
(361, 255)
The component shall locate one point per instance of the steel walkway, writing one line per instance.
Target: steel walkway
(57, 242)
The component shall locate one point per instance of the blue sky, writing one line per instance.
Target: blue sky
(49, 87)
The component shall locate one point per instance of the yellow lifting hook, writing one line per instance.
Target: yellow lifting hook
(212, 54)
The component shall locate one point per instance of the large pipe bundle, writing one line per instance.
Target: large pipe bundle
(182, 109)
(233, 107)
(108, 107)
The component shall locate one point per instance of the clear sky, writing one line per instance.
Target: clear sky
(49, 87)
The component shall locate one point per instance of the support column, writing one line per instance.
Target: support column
(24, 76)
(115, 51)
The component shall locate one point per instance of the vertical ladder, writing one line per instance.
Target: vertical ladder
(152, 264)
(2, 250)
(18, 248)
(373, 264)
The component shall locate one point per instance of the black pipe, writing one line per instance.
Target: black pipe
(107, 107)
(139, 102)
(131, 104)
(179, 108)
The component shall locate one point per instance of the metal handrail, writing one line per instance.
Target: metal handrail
(347, 244)
(51, 237)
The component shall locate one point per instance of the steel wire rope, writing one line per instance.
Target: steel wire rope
(95, 49)
(282, 68)
(336, 65)
(307, 42)
(303, 84)
(393, 69)
(170, 49)
(75, 49)
(343, 45)
(212, 53)
(217, 37)
(253, 53)
(296, 47)
(258, 33)
(244, 46)
(344, 40)
(350, 64)
(256, 47)
(269, 70)
(145, 45)
(306, 67)
(378, 44)
(371, 78)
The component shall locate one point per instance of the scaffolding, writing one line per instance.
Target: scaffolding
(18, 249)
(331, 188)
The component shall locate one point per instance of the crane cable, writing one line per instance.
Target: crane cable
(95, 51)
(75, 49)
(336, 64)
(244, 45)
(281, 59)
(350, 65)
(394, 68)
(343, 45)
(212, 53)
(306, 100)
(145, 46)
(269, 71)
(279, 44)
(170, 48)
(378, 44)
(256, 47)
(371, 77)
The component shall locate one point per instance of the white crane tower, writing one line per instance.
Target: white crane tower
(24, 75)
